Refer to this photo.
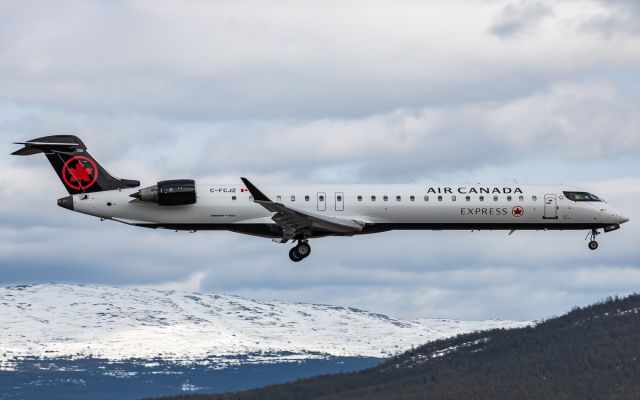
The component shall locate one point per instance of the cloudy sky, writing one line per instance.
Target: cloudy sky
(331, 91)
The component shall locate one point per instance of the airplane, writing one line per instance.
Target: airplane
(299, 213)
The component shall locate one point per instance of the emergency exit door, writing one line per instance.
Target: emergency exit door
(550, 206)
(322, 201)
(339, 201)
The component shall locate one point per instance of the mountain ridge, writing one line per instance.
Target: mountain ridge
(76, 321)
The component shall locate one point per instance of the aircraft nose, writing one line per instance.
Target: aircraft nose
(66, 202)
(623, 219)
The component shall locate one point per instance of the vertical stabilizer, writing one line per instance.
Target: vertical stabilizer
(78, 171)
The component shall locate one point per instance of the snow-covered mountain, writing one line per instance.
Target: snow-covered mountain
(57, 321)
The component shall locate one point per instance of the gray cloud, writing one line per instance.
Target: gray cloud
(578, 118)
(519, 17)
(618, 17)
(213, 61)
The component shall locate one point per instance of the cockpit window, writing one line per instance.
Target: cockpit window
(581, 196)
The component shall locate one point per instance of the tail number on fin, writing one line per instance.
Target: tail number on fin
(79, 173)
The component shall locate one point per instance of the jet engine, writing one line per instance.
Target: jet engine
(179, 192)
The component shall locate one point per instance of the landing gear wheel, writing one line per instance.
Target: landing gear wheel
(593, 244)
(303, 249)
(300, 252)
(294, 256)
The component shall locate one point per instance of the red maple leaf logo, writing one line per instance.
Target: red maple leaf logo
(80, 173)
(517, 211)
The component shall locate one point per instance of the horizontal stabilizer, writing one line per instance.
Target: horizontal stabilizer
(26, 151)
(31, 148)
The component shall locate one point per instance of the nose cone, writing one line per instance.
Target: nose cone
(66, 202)
(623, 219)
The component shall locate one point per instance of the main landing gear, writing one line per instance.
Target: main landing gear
(300, 252)
(593, 245)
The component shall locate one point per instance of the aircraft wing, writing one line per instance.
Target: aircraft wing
(294, 221)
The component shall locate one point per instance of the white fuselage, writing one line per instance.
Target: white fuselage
(380, 207)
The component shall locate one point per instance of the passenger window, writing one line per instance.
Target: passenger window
(534, 198)
(339, 198)
(385, 198)
(412, 198)
(521, 198)
(468, 198)
(250, 198)
(306, 198)
(293, 198)
(481, 198)
(321, 198)
(373, 198)
(453, 198)
(439, 198)
(359, 198)
(234, 198)
(509, 198)
(426, 198)
(495, 198)
(398, 198)
(279, 198)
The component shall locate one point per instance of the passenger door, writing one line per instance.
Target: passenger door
(550, 206)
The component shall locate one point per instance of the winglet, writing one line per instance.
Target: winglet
(255, 192)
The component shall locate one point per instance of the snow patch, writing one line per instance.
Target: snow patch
(78, 321)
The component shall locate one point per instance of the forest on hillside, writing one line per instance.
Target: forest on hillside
(591, 353)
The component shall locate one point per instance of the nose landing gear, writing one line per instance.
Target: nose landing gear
(300, 252)
(593, 245)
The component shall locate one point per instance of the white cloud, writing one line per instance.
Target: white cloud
(191, 284)
(570, 121)
(221, 60)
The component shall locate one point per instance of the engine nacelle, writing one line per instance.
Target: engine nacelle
(179, 192)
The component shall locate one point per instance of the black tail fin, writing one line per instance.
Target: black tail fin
(76, 168)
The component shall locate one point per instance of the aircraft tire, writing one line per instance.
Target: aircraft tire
(294, 256)
(303, 249)
(593, 245)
